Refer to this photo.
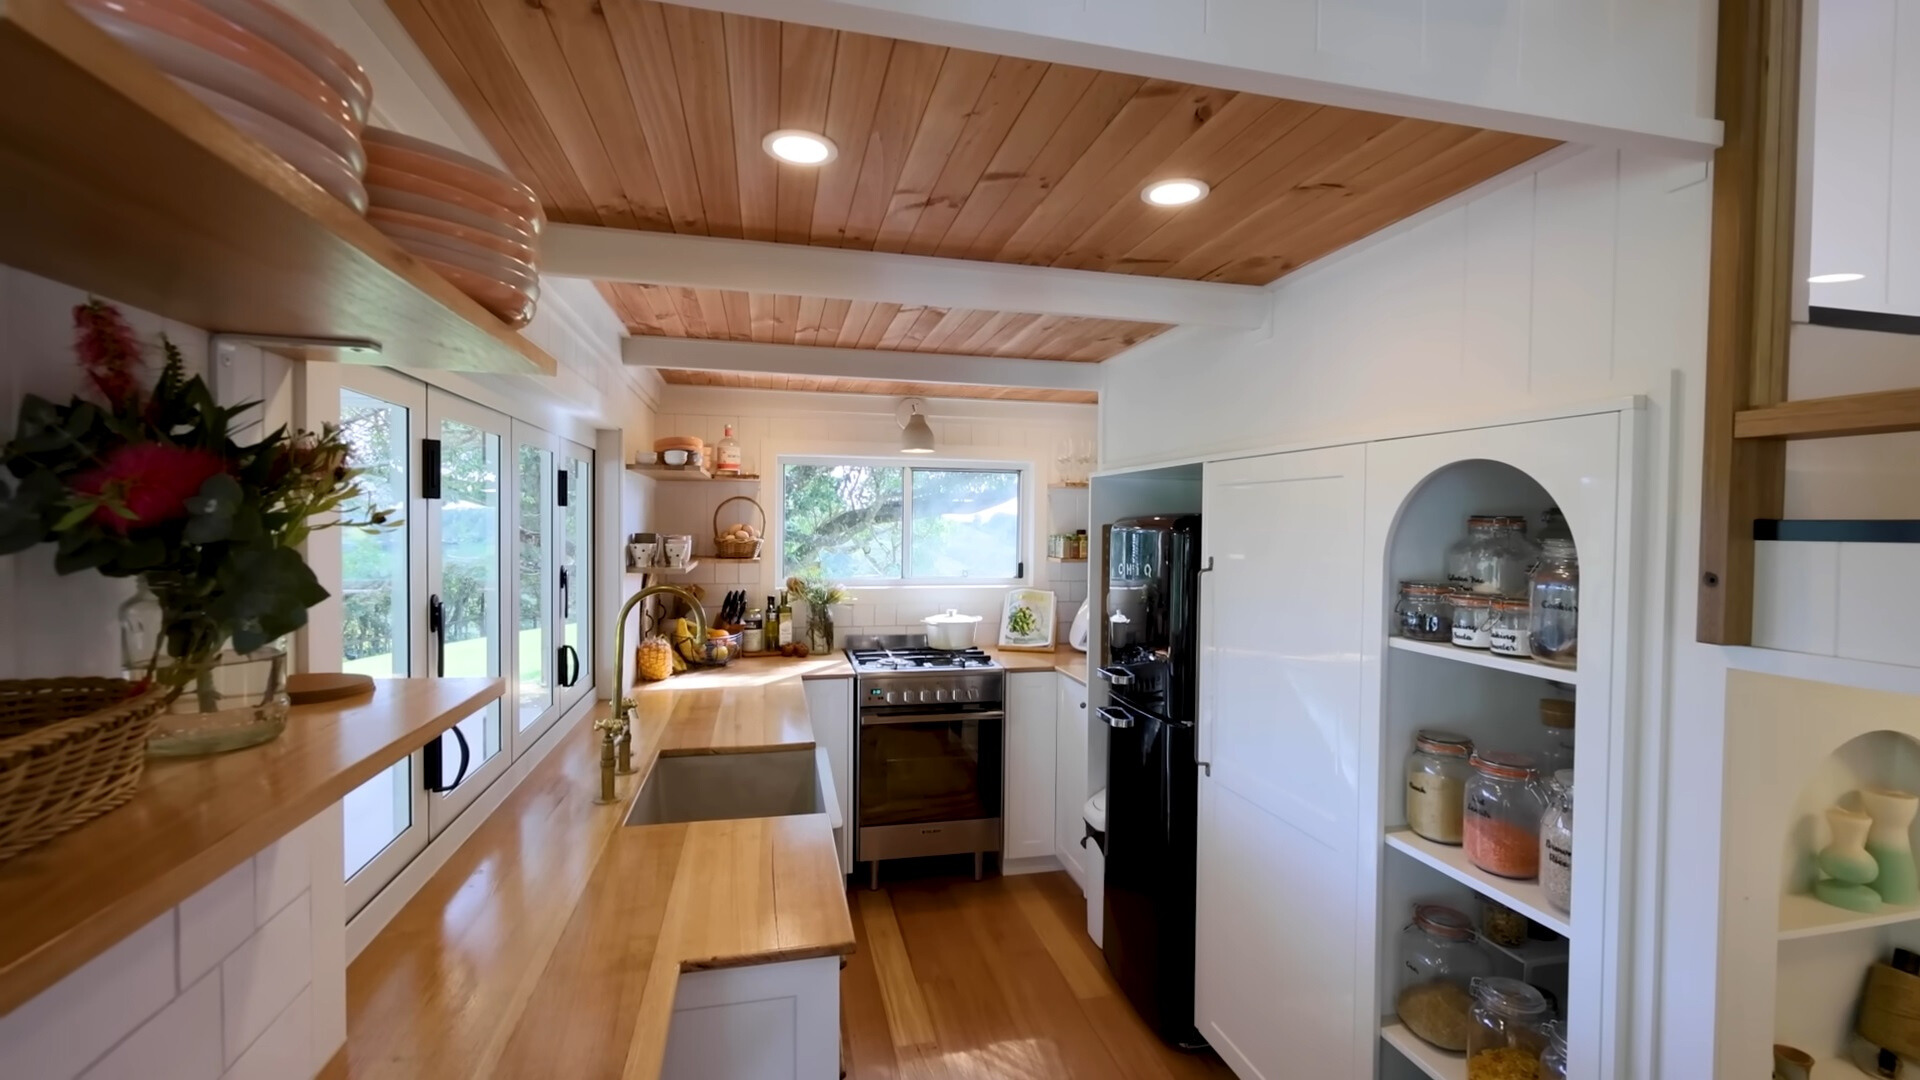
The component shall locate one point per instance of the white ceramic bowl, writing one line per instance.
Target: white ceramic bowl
(305, 44)
(335, 175)
(506, 271)
(479, 238)
(408, 202)
(436, 162)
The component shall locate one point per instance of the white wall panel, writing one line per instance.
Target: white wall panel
(1575, 227)
(1852, 150)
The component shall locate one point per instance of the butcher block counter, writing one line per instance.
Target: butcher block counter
(194, 819)
(553, 942)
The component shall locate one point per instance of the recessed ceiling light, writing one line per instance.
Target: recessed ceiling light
(1175, 192)
(798, 147)
(1833, 279)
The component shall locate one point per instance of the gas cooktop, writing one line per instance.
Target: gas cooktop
(910, 653)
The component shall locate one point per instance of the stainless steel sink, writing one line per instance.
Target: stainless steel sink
(711, 787)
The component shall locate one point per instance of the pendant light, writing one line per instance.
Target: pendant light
(915, 436)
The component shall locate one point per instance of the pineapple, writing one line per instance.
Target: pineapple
(656, 658)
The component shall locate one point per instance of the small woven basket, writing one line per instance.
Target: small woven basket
(737, 549)
(70, 750)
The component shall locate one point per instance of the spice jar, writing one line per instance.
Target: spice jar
(1553, 1060)
(1438, 963)
(1556, 843)
(1504, 803)
(1509, 627)
(1423, 612)
(1437, 774)
(1556, 719)
(1508, 1031)
(1472, 618)
(1554, 595)
(1502, 925)
(1464, 556)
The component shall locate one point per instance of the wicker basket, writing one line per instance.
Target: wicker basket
(738, 549)
(70, 750)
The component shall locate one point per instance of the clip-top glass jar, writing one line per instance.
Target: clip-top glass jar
(1504, 804)
(1556, 843)
(1554, 593)
(1423, 612)
(1439, 960)
(1472, 620)
(1508, 1032)
(1556, 724)
(1464, 556)
(1510, 627)
(1437, 773)
(1553, 1060)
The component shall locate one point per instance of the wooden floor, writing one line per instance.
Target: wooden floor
(996, 980)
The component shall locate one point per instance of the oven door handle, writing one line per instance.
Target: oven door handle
(930, 718)
(1118, 676)
(1116, 718)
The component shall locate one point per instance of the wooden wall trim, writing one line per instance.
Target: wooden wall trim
(1749, 300)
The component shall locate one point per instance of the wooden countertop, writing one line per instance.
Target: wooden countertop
(760, 669)
(194, 819)
(552, 942)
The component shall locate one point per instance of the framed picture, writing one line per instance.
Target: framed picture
(1027, 621)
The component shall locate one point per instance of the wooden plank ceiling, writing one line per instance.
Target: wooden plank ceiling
(888, 387)
(642, 115)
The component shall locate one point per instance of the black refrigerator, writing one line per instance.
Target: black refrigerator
(1150, 661)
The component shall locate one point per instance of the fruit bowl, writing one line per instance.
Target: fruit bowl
(718, 651)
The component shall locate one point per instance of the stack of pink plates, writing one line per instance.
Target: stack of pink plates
(269, 74)
(474, 224)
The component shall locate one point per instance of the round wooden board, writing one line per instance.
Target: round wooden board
(316, 687)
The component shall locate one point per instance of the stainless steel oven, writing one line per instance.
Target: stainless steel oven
(929, 765)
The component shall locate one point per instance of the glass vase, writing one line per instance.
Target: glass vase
(232, 701)
(819, 631)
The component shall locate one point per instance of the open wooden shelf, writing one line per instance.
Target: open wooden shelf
(663, 571)
(686, 473)
(1435, 1062)
(1482, 658)
(1056, 558)
(1805, 917)
(116, 181)
(1524, 897)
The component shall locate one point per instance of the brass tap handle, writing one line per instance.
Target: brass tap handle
(623, 747)
(606, 766)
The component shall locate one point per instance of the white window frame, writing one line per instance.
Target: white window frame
(1028, 511)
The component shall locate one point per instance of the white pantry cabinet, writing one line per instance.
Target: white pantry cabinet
(830, 708)
(1281, 617)
(760, 1022)
(1029, 771)
(1071, 782)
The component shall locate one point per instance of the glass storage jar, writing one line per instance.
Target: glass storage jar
(1510, 627)
(1472, 620)
(1437, 774)
(1506, 560)
(1554, 595)
(1464, 555)
(1556, 722)
(1504, 804)
(1439, 960)
(1502, 925)
(1556, 843)
(1423, 612)
(1553, 1060)
(1553, 526)
(1508, 1031)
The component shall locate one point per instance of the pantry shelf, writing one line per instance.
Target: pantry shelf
(1435, 1062)
(1524, 897)
(115, 180)
(1805, 917)
(1481, 658)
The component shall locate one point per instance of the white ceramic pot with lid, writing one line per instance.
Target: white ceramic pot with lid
(950, 630)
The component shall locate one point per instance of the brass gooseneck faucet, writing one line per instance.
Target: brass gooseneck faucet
(616, 729)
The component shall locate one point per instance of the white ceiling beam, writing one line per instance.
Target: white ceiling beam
(707, 262)
(826, 362)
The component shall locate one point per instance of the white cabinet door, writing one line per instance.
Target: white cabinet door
(830, 708)
(1281, 616)
(1029, 791)
(1071, 786)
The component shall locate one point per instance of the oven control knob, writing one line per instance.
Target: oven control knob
(924, 697)
(889, 697)
(939, 695)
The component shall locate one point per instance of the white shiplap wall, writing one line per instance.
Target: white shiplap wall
(769, 425)
(1584, 281)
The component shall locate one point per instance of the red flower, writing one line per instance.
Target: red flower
(109, 353)
(153, 482)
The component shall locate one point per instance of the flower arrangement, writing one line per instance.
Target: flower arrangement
(152, 484)
(818, 595)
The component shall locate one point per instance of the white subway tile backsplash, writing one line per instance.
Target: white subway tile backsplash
(215, 920)
(264, 975)
(69, 1025)
(281, 873)
(181, 1042)
(284, 1050)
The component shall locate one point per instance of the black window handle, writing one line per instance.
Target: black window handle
(569, 672)
(437, 626)
(435, 767)
(566, 594)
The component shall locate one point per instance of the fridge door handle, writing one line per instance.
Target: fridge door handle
(1117, 676)
(1115, 718)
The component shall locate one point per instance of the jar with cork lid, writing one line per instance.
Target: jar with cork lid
(1437, 773)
